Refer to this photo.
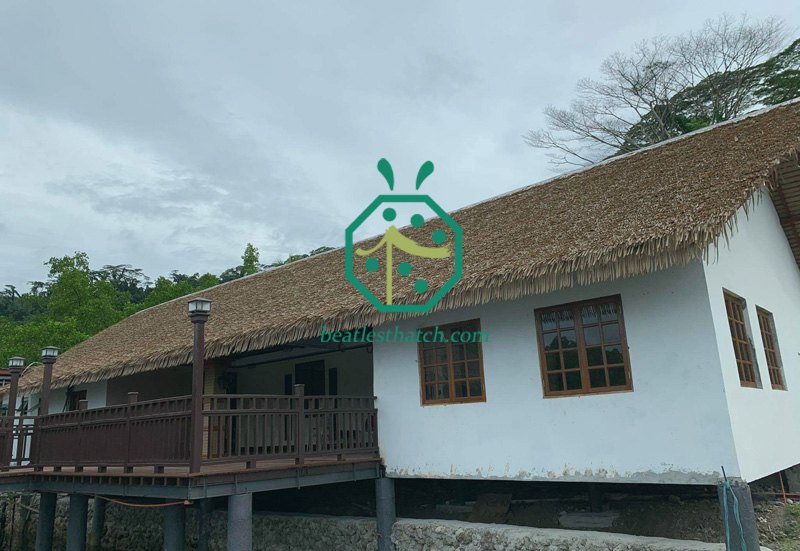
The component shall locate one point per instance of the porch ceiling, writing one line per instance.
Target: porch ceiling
(786, 197)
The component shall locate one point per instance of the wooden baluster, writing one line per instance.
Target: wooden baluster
(300, 442)
(83, 405)
(22, 438)
(133, 397)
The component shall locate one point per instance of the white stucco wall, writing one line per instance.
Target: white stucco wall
(759, 267)
(95, 394)
(673, 427)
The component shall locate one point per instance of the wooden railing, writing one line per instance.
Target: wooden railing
(251, 428)
(15, 440)
(238, 429)
(154, 432)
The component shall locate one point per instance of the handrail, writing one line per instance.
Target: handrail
(243, 428)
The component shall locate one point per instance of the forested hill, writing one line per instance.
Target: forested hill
(76, 301)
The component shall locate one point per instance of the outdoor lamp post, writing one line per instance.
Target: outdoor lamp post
(49, 356)
(199, 310)
(15, 366)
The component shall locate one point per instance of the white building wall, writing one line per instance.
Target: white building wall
(95, 394)
(760, 268)
(673, 427)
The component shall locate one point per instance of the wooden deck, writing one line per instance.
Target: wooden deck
(178, 483)
(251, 443)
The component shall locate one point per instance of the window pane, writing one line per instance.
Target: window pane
(611, 333)
(597, 377)
(580, 362)
(608, 311)
(450, 370)
(548, 321)
(614, 355)
(555, 382)
(616, 376)
(565, 319)
(568, 339)
(573, 380)
(594, 356)
(591, 335)
(570, 359)
(550, 341)
(553, 361)
(589, 314)
(475, 388)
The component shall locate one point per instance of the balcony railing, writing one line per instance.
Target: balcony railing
(15, 440)
(244, 429)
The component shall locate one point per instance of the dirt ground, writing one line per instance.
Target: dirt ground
(679, 512)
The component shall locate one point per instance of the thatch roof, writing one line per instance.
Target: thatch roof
(634, 214)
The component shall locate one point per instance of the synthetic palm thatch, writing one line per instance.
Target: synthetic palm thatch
(646, 211)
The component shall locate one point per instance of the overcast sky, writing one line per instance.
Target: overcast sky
(167, 135)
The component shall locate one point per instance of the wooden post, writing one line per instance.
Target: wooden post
(47, 376)
(300, 441)
(133, 397)
(198, 362)
(12, 413)
(12, 392)
(83, 405)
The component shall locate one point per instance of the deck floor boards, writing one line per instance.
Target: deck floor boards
(214, 469)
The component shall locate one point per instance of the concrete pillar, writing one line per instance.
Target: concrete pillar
(385, 512)
(204, 532)
(76, 522)
(174, 528)
(44, 526)
(743, 503)
(240, 522)
(98, 524)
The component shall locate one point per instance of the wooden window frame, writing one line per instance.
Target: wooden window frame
(769, 340)
(586, 388)
(474, 325)
(747, 368)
